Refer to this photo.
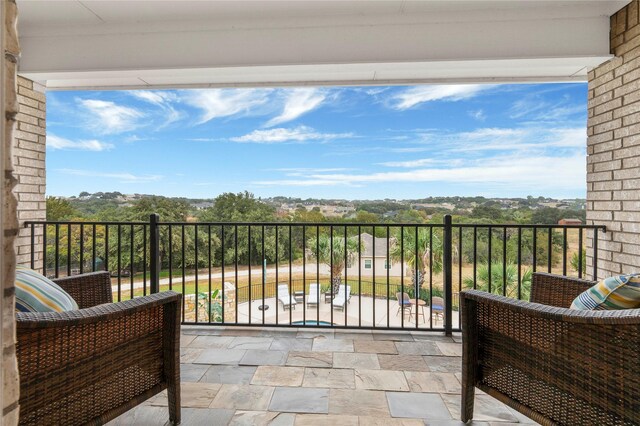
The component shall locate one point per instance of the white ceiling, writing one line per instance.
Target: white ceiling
(122, 44)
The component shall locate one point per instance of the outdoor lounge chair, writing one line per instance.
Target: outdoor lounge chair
(314, 290)
(342, 298)
(553, 364)
(90, 365)
(288, 302)
(404, 304)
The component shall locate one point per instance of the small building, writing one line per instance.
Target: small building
(369, 262)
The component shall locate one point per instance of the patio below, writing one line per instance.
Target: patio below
(267, 376)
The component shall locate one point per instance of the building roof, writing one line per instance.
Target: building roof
(381, 245)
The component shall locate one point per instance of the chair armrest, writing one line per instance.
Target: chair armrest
(557, 290)
(88, 290)
(552, 364)
(98, 362)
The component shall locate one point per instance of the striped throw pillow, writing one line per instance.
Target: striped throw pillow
(620, 292)
(37, 293)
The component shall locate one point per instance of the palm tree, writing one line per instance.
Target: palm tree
(498, 280)
(334, 257)
(428, 254)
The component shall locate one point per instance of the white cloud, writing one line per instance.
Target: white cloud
(543, 172)
(297, 134)
(56, 142)
(122, 177)
(478, 115)
(218, 103)
(413, 96)
(154, 96)
(108, 117)
(163, 100)
(298, 102)
(421, 162)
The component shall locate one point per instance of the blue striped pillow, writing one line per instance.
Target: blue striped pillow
(619, 292)
(37, 293)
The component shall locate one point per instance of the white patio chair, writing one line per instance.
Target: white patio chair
(288, 302)
(342, 298)
(314, 290)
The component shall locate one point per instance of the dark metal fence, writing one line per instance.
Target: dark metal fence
(343, 275)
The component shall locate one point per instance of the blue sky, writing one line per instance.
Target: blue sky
(345, 142)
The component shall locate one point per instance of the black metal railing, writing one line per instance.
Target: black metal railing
(345, 275)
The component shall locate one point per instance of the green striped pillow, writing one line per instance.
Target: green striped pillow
(37, 293)
(619, 292)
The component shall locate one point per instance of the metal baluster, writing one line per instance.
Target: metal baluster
(223, 297)
(489, 258)
(580, 253)
(81, 248)
(519, 262)
(195, 242)
(549, 249)
(564, 251)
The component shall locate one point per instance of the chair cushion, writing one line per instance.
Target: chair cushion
(37, 293)
(619, 292)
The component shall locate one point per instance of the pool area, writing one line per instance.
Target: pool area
(319, 323)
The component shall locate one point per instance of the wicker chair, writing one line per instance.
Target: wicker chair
(552, 364)
(91, 365)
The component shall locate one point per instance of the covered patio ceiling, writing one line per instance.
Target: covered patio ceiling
(72, 44)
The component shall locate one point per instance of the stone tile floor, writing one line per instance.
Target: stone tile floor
(234, 376)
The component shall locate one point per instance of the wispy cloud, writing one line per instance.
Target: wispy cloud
(297, 134)
(408, 98)
(537, 107)
(421, 162)
(298, 102)
(478, 114)
(56, 142)
(218, 103)
(107, 117)
(156, 97)
(123, 177)
(164, 100)
(544, 172)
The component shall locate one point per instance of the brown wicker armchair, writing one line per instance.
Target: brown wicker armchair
(91, 365)
(553, 364)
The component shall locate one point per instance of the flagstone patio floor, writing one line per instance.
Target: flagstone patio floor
(267, 376)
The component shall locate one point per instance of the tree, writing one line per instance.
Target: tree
(575, 261)
(422, 254)
(240, 207)
(331, 252)
(312, 216)
(366, 217)
(169, 209)
(59, 209)
(507, 283)
(547, 216)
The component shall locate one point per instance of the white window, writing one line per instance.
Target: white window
(386, 264)
(367, 264)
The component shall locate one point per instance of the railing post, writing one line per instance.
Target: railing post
(595, 254)
(154, 248)
(447, 270)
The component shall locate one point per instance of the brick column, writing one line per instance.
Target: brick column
(613, 149)
(29, 164)
(9, 111)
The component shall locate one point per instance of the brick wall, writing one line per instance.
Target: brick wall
(9, 110)
(613, 149)
(29, 164)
